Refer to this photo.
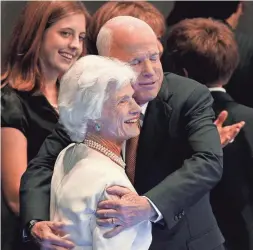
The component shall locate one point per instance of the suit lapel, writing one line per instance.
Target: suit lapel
(155, 126)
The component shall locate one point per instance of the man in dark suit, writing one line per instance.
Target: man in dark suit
(241, 83)
(206, 51)
(179, 156)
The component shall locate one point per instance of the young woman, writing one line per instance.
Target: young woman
(48, 38)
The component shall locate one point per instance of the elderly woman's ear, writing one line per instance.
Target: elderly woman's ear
(94, 125)
(97, 127)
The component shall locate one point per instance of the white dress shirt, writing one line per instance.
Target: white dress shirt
(81, 176)
(217, 89)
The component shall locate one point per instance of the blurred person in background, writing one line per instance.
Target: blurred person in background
(241, 83)
(212, 47)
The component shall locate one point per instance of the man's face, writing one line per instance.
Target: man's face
(140, 50)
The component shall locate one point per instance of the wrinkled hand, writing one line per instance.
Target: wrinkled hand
(50, 235)
(227, 133)
(128, 211)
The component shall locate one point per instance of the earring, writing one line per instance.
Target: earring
(97, 127)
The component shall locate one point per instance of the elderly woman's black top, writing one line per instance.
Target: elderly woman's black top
(31, 114)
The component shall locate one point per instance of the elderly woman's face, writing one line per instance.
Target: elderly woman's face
(120, 115)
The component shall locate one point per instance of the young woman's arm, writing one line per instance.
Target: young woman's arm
(14, 163)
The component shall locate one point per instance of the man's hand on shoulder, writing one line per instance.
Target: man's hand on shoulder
(50, 235)
(128, 211)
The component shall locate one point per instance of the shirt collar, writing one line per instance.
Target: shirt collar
(144, 108)
(217, 89)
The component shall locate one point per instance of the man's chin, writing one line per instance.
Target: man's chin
(150, 96)
(143, 98)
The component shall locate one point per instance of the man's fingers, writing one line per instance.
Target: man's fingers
(238, 125)
(113, 232)
(55, 225)
(49, 246)
(118, 190)
(235, 129)
(106, 213)
(110, 222)
(221, 118)
(229, 138)
(230, 133)
(234, 132)
(52, 239)
(105, 223)
(109, 204)
(241, 124)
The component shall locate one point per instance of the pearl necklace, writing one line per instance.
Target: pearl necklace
(105, 151)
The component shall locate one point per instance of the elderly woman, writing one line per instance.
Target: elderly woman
(99, 113)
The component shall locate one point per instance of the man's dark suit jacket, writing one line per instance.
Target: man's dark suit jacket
(232, 198)
(179, 160)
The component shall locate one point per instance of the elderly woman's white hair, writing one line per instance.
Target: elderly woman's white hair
(84, 89)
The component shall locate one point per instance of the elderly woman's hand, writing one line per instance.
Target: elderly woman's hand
(227, 133)
(50, 235)
(128, 211)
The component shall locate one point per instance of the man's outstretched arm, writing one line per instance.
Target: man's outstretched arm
(36, 182)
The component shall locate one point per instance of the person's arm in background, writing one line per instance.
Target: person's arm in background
(14, 163)
(14, 127)
(35, 188)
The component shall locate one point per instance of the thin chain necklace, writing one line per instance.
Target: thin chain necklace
(105, 151)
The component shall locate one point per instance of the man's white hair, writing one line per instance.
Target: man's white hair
(85, 87)
(127, 23)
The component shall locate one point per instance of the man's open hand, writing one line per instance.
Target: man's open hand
(227, 133)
